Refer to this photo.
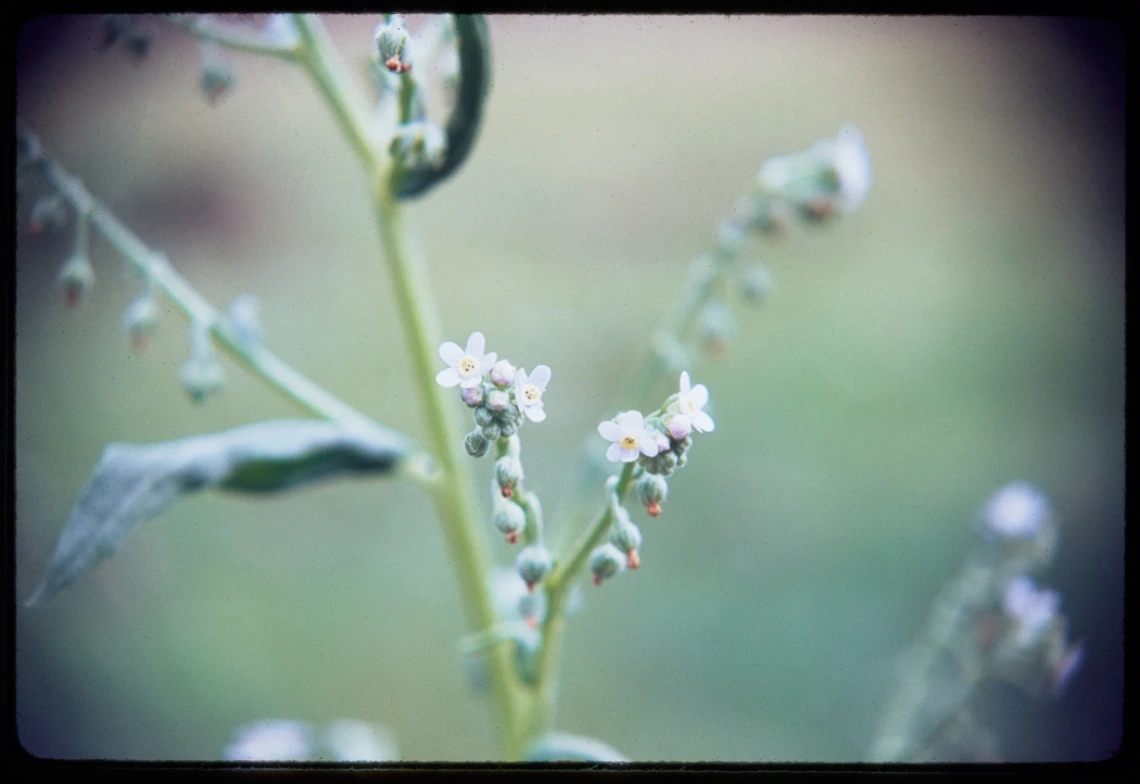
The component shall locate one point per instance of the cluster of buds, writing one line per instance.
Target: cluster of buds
(499, 395)
(658, 445)
(834, 176)
(1027, 636)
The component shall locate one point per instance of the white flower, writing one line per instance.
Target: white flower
(528, 392)
(270, 740)
(1018, 511)
(852, 167)
(630, 437)
(689, 403)
(1031, 609)
(350, 740)
(467, 365)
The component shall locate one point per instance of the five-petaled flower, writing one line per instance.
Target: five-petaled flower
(467, 365)
(528, 392)
(689, 403)
(630, 437)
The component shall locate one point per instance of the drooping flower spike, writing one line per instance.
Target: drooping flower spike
(528, 392)
(689, 403)
(467, 366)
(630, 437)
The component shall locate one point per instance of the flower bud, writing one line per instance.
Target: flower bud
(140, 320)
(508, 427)
(680, 426)
(509, 518)
(476, 443)
(533, 564)
(498, 400)
(729, 237)
(491, 431)
(626, 537)
(756, 282)
(503, 373)
(1017, 511)
(508, 473)
(244, 316)
(217, 79)
(664, 463)
(472, 396)
(532, 608)
(48, 214)
(483, 415)
(392, 44)
(76, 277)
(716, 326)
(605, 562)
(202, 376)
(652, 488)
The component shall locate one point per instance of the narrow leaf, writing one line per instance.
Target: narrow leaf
(563, 747)
(135, 482)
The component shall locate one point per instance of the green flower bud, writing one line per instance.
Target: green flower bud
(202, 376)
(605, 562)
(664, 463)
(140, 320)
(509, 518)
(626, 537)
(491, 431)
(652, 488)
(476, 444)
(218, 78)
(533, 564)
(244, 316)
(508, 474)
(392, 44)
(76, 277)
(756, 282)
(483, 416)
(508, 427)
(48, 214)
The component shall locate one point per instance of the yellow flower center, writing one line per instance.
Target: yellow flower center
(531, 394)
(629, 442)
(467, 366)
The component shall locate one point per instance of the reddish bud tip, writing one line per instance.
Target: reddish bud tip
(35, 227)
(508, 491)
(71, 293)
(513, 537)
(530, 587)
(138, 342)
(532, 621)
(653, 509)
(987, 631)
(597, 579)
(632, 559)
(820, 207)
(393, 64)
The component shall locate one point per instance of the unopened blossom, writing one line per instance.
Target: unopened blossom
(1017, 511)
(690, 402)
(1030, 608)
(529, 389)
(679, 427)
(467, 365)
(630, 437)
(852, 167)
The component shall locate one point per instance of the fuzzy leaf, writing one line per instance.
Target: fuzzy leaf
(563, 747)
(135, 482)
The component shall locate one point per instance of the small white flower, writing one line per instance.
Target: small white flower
(467, 365)
(689, 403)
(529, 389)
(630, 437)
(350, 740)
(1031, 609)
(1017, 511)
(270, 740)
(852, 167)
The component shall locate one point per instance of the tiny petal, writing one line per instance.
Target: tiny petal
(685, 382)
(628, 455)
(448, 377)
(700, 395)
(540, 377)
(703, 423)
(475, 344)
(648, 444)
(488, 361)
(535, 413)
(450, 353)
(631, 420)
(609, 430)
(616, 454)
(470, 381)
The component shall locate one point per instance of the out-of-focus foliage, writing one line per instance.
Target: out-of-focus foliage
(962, 330)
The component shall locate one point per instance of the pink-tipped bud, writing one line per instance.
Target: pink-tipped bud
(598, 580)
(653, 510)
(513, 537)
(680, 427)
(632, 559)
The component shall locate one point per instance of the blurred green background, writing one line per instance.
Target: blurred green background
(965, 328)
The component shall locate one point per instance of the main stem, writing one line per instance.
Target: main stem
(453, 495)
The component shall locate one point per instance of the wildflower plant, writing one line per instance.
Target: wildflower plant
(516, 616)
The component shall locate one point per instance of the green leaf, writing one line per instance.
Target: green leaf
(474, 47)
(563, 747)
(135, 482)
